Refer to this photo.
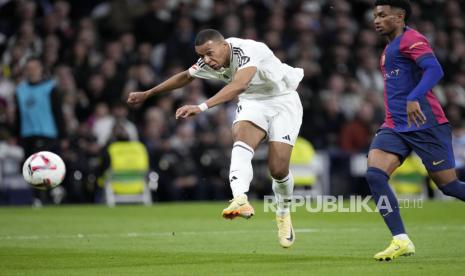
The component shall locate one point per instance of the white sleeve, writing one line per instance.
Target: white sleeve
(197, 71)
(249, 55)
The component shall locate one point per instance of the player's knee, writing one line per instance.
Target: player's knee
(279, 172)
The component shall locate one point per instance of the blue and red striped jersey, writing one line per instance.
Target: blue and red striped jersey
(399, 65)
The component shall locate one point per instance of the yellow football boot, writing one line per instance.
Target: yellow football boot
(239, 207)
(286, 233)
(395, 249)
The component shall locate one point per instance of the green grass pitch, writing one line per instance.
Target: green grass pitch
(193, 239)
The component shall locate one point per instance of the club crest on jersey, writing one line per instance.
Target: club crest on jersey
(244, 60)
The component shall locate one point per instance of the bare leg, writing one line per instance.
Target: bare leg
(279, 156)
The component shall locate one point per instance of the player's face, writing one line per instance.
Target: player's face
(387, 20)
(214, 53)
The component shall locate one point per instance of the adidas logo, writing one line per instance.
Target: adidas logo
(232, 179)
(287, 137)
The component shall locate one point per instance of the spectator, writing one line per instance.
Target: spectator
(157, 15)
(368, 73)
(39, 110)
(103, 127)
(356, 135)
(327, 122)
(11, 178)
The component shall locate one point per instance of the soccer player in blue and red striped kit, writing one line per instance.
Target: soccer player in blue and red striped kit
(414, 120)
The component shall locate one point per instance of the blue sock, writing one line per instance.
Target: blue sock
(384, 197)
(455, 189)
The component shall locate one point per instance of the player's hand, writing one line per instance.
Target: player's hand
(187, 111)
(414, 114)
(136, 98)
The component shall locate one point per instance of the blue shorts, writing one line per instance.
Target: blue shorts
(433, 145)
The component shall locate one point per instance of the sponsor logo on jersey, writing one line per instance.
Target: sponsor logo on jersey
(416, 44)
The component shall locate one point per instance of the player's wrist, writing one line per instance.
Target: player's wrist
(203, 106)
(413, 97)
(147, 94)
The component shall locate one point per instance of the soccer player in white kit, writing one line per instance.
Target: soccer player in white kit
(268, 107)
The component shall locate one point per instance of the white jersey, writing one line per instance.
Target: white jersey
(273, 78)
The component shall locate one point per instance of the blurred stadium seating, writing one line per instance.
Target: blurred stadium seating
(99, 51)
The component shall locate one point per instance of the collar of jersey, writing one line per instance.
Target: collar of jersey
(406, 28)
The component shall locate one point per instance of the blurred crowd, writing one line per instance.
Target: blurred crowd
(98, 51)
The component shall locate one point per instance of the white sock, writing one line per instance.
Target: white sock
(401, 237)
(241, 172)
(283, 190)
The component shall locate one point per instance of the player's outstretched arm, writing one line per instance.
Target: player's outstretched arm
(174, 82)
(239, 84)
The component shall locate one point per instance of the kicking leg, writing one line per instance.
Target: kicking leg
(246, 136)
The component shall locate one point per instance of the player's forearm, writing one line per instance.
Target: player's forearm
(432, 74)
(226, 94)
(174, 82)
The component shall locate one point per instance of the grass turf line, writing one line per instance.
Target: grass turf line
(193, 239)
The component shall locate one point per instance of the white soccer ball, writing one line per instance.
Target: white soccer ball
(44, 170)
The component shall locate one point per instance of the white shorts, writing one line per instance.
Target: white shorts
(280, 117)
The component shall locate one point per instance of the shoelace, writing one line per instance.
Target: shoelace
(283, 227)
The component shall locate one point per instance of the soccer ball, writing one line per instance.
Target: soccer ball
(44, 170)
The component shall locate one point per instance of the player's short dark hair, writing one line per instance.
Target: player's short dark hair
(401, 4)
(208, 34)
